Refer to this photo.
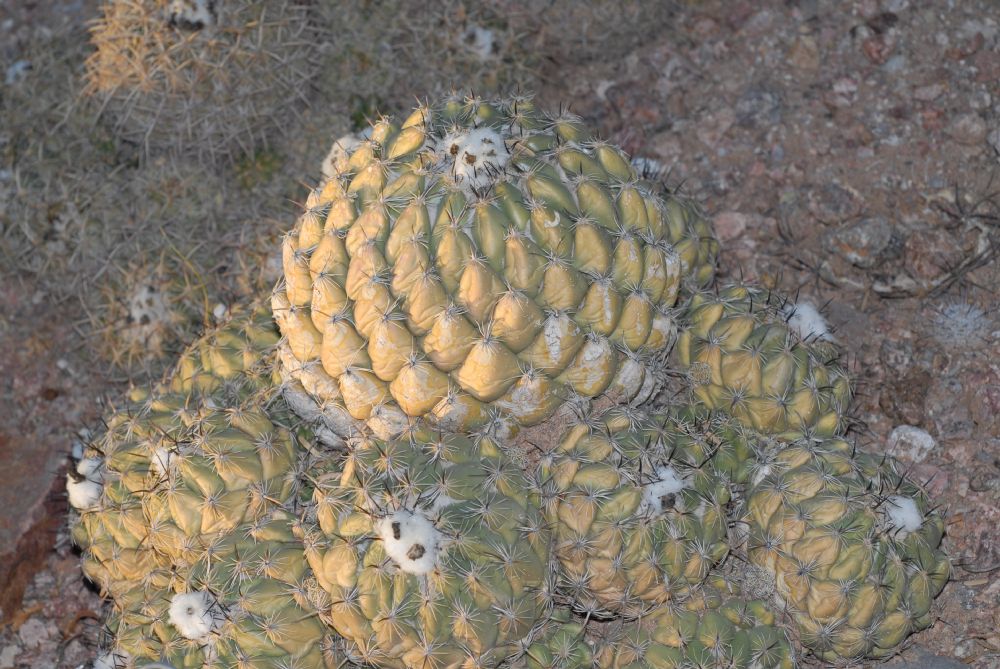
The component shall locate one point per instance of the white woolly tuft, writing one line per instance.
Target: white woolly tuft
(441, 501)
(111, 660)
(481, 157)
(148, 307)
(85, 493)
(195, 614)
(668, 482)
(221, 312)
(480, 41)
(193, 13)
(448, 146)
(903, 515)
(804, 318)
(411, 540)
(336, 160)
(161, 460)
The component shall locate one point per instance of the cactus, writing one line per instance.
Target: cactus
(852, 545)
(713, 628)
(120, 485)
(247, 600)
(332, 479)
(639, 517)
(183, 506)
(743, 359)
(481, 262)
(147, 312)
(433, 550)
(198, 78)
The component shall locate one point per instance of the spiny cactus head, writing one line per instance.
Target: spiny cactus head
(481, 256)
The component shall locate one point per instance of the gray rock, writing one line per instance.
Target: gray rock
(948, 409)
(895, 64)
(861, 244)
(968, 129)
(759, 106)
(33, 632)
(994, 139)
(929, 92)
(919, 658)
(17, 71)
(833, 203)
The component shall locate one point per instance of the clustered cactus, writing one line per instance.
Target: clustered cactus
(340, 484)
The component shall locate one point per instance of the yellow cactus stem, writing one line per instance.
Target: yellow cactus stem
(190, 532)
(196, 79)
(713, 627)
(744, 358)
(436, 518)
(488, 249)
(638, 512)
(852, 545)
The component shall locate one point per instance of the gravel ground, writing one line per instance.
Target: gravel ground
(849, 153)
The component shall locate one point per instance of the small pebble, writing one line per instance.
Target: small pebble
(730, 224)
(860, 244)
(33, 632)
(929, 92)
(895, 64)
(910, 443)
(17, 71)
(968, 129)
(994, 140)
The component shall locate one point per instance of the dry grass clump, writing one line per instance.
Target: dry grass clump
(213, 80)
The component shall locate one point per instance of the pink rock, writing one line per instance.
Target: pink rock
(730, 225)
(843, 93)
(715, 126)
(929, 92)
(968, 129)
(804, 53)
(877, 49)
